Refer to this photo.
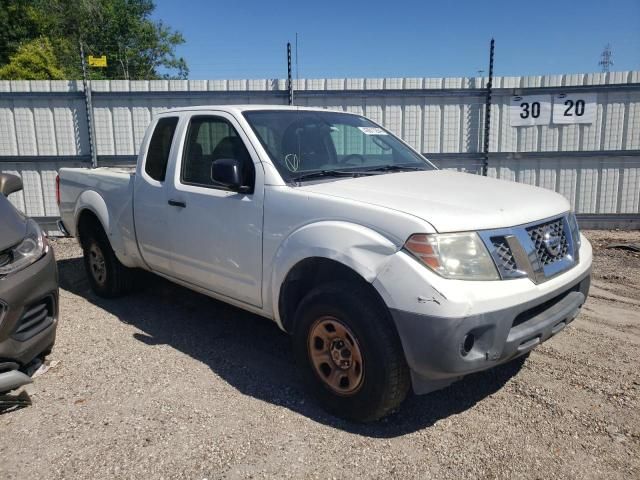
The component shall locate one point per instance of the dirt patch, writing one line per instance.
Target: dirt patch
(166, 383)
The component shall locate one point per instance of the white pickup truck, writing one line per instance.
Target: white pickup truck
(388, 273)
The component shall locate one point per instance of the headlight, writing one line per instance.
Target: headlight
(462, 256)
(29, 250)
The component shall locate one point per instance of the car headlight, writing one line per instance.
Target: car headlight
(28, 251)
(462, 256)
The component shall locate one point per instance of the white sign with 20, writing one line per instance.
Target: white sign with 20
(574, 108)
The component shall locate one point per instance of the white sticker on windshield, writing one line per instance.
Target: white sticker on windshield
(372, 131)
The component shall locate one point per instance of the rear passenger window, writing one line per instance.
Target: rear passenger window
(159, 147)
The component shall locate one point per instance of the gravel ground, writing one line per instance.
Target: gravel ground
(167, 383)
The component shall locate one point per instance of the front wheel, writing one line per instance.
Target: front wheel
(349, 352)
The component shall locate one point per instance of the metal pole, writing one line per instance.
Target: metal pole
(89, 108)
(289, 80)
(487, 120)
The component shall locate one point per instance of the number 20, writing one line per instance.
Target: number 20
(578, 108)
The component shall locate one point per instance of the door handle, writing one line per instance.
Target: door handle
(177, 203)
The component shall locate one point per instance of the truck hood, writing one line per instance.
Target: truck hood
(13, 225)
(450, 201)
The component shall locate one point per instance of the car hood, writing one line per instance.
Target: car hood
(13, 225)
(450, 201)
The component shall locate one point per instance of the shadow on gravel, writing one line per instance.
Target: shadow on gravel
(255, 357)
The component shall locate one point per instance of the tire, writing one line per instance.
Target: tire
(339, 315)
(107, 276)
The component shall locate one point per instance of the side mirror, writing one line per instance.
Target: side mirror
(9, 184)
(228, 172)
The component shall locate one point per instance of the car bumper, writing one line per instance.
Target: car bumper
(449, 329)
(442, 350)
(28, 315)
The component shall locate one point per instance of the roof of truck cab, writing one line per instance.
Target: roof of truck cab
(245, 108)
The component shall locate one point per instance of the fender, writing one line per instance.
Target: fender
(92, 201)
(360, 248)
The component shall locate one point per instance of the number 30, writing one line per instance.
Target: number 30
(534, 112)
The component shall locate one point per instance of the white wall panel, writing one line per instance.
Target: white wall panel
(633, 126)
(567, 181)
(587, 199)
(102, 119)
(614, 123)
(432, 127)
(609, 179)
(393, 115)
(8, 143)
(450, 132)
(630, 194)
(45, 131)
(412, 123)
(65, 130)
(25, 127)
(49, 119)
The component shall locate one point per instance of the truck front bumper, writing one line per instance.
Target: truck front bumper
(441, 350)
(449, 329)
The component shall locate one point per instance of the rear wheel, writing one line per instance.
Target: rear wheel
(349, 352)
(107, 276)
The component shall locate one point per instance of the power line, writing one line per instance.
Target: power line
(606, 58)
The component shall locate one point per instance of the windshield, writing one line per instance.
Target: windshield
(300, 142)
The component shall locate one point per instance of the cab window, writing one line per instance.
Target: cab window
(209, 139)
(159, 148)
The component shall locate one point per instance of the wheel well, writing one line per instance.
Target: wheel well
(310, 273)
(87, 222)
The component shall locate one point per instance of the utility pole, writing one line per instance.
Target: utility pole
(487, 119)
(88, 107)
(289, 76)
(606, 58)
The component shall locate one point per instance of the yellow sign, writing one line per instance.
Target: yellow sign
(98, 61)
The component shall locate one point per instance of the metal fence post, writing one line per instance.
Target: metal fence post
(487, 120)
(289, 79)
(89, 109)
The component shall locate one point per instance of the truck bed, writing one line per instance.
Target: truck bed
(109, 189)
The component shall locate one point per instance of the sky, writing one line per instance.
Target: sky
(353, 38)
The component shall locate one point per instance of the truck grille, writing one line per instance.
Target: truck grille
(537, 250)
(538, 235)
(503, 255)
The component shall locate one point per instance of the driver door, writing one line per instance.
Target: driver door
(216, 234)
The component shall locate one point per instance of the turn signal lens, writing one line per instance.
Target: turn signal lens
(422, 248)
(461, 256)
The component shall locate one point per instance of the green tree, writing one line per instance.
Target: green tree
(17, 26)
(136, 46)
(34, 60)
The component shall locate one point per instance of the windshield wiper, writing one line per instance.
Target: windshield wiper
(328, 173)
(394, 168)
(355, 173)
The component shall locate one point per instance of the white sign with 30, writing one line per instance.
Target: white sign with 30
(530, 110)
